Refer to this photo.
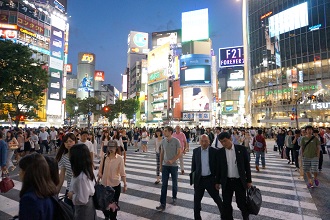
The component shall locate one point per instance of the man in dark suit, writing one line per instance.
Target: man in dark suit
(234, 174)
(204, 168)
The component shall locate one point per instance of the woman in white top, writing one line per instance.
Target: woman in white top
(12, 146)
(82, 185)
(91, 138)
(144, 140)
(159, 139)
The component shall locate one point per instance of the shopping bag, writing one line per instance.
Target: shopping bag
(254, 200)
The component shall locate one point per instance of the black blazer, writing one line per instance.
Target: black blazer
(196, 165)
(243, 166)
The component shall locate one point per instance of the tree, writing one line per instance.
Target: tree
(112, 113)
(90, 104)
(71, 102)
(130, 107)
(23, 82)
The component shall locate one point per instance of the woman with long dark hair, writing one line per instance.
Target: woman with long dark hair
(62, 158)
(120, 150)
(105, 139)
(37, 189)
(82, 186)
(27, 143)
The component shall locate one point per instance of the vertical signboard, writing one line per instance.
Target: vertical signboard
(85, 76)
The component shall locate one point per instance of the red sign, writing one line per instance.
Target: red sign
(69, 68)
(8, 34)
(30, 24)
(99, 75)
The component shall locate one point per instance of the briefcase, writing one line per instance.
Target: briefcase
(254, 200)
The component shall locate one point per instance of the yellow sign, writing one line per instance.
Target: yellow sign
(89, 58)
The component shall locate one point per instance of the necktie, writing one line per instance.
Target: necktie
(216, 143)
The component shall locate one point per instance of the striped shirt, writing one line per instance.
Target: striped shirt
(65, 163)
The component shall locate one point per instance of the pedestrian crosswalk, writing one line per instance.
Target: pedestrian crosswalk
(284, 192)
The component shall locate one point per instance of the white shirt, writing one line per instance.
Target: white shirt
(83, 188)
(43, 136)
(88, 144)
(205, 162)
(214, 143)
(53, 135)
(232, 163)
(326, 136)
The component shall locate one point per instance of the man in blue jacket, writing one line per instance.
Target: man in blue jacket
(3, 153)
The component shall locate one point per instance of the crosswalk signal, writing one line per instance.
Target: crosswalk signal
(292, 117)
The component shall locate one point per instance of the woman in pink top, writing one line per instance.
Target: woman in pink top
(114, 171)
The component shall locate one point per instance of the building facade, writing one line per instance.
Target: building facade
(289, 62)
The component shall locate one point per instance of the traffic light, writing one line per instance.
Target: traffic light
(106, 109)
(21, 118)
(292, 117)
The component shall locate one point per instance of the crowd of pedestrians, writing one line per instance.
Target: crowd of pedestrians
(222, 159)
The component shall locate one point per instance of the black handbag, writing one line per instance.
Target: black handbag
(62, 210)
(275, 147)
(254, 200)
(103, 195)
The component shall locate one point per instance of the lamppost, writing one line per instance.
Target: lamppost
(170, 113)
(75, 114)
(296, 111)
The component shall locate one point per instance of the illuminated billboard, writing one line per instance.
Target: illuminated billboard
(99, 76)
(161, 38)
(158, 58)
(138, 42)
(8, 35)
(195, 70)
(195, 25)
(197, 99)
(125, 82)
(288, 20)
(231, 56)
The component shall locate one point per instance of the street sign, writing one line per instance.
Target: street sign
(90, 113)
(293, 109)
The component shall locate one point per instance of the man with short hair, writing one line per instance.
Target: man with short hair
(234, 175)
(44, 140)
(259, 147)
(204, 167)
(178, 134)
(169, 154)
(53, 137)
(216, 143)
(310, 149)
(83, 140)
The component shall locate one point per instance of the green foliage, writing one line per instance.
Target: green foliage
(70, 103)
(127, 107)
(23, 81)
(90, 104)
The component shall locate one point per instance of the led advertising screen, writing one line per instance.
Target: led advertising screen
(197, 99)
(288, 20)
(138, 42)
(158, 58)
(231, 56)
(194, 75)
(161, 38)
(195, 69)
(195, 25)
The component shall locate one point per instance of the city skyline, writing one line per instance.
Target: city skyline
(105, 33)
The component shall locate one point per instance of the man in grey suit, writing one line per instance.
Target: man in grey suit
(203, 174)
(234, 175)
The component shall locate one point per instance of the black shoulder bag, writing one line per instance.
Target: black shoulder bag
(103, 195)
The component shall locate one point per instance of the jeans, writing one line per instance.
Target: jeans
(166, 171)
(288, 154)
(262, 154)
(296, 158)
(42, 144)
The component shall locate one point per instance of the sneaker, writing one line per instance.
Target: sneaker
(257, 168)
(137, 150)
(160, 208)
(309, 185)
(317, 183)
(173, 202)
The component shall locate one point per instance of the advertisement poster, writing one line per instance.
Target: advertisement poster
(99, 75)
(196, 99)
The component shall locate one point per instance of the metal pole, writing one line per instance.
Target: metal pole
(296, 112)
(89, 117)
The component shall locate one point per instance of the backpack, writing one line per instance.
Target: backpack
(62, 210)
(258, 144)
